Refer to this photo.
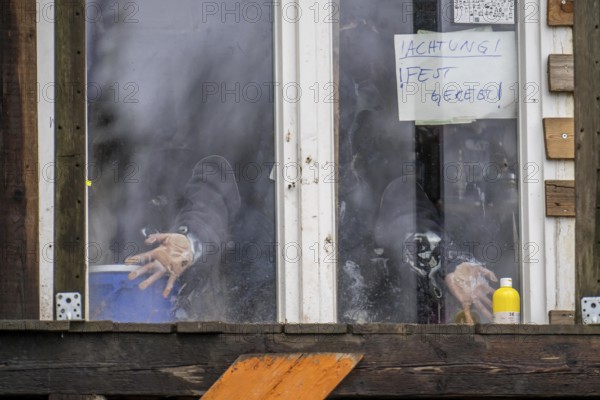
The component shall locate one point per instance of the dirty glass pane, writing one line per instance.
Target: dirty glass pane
(428, 207)
(180, 150)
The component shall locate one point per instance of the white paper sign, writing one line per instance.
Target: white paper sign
(456, 77)
(484, 11)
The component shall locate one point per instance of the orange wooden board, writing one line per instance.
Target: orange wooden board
(559, 137)
(560, 12)
(298, 376)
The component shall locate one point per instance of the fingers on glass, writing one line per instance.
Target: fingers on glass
(157, 237)
(140, 271)
(153, 278)
(169, 286)
(485, 300)
(489, 274)
(141, 258)
(482, 309)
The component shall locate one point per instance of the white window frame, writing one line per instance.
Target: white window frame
(303, 58)
(549, 276)
(46, 118)
(305, 143)
(547, 243)
(531, 159)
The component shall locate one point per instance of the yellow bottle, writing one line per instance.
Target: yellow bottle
(506, 303)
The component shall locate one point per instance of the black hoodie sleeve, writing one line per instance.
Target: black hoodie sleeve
(210, 203)
(409, 225)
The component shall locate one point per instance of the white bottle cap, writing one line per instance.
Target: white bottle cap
(505, 282)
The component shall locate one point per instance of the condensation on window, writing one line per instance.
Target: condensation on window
(428, 213)
(181, 144)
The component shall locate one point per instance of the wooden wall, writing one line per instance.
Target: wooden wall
(587, 148)
(70, 142)
(400, 361)
(19, 249)
(19, 283)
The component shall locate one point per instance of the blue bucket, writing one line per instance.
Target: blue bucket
(112, 296)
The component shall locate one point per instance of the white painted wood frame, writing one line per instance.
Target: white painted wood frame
(306, 154)
(306, 203)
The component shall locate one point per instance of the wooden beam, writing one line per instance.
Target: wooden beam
(310, 376)
(426, 361)
(560, 198)
(560, 72)
(559, 138)
(561, 317)
(560, 12)
(70, 189)
(587, 150)
(19, 273)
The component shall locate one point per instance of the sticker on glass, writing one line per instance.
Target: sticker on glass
(484, 11)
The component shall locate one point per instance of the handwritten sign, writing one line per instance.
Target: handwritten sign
(456, 77)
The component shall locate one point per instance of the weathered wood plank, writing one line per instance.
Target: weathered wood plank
(559, 138)
(265, 330)
(522, 330)
(560, 72)
(144, 328)
(560, 12)
(69, 255)
(306, 329)
(91, 326)
(19, 276)
(315, 376)
(34, 325)
(560, 198)
(310, 376)
(377, 329)
(221, 327)
(562, 317)
(246, 377)
(435, 329)
(587, 150)
(394, 366)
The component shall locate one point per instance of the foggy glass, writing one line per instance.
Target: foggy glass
(414, 199)
(177, 88)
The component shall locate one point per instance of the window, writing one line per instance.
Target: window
(293, 116)
(181, 148)
(428, 158)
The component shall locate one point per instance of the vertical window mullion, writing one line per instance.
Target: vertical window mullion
(286, 145)
(531, 160)
(46, 171)
(306, 155)
(317, 154)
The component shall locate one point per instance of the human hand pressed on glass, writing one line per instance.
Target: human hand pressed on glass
(172, 256)
(469, 283)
